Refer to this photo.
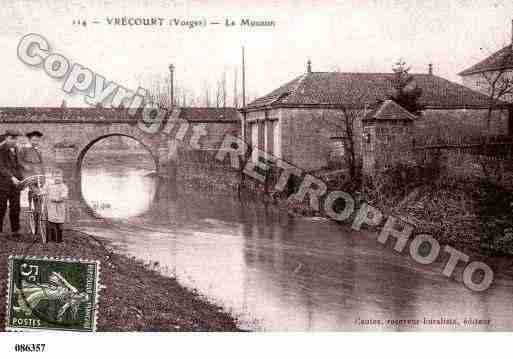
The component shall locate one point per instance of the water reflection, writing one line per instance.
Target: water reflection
(287, 273)
(124, 194)
(112, 188)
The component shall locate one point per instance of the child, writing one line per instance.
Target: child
(57, 193)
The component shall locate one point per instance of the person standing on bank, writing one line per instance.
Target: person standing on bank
(31, 160)
(57, 193)
(10, 177)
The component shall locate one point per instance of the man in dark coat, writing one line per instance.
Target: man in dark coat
(10, 177)
(31, 160)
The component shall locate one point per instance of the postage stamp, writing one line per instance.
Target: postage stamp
(52, 294)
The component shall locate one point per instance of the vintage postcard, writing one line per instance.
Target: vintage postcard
(257, 166)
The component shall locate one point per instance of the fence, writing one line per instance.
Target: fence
(498, 147)
(470, 158)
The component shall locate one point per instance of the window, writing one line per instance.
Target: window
(269, 137)
(254, 140)
(276, 139)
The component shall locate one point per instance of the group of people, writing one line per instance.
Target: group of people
(18, 162)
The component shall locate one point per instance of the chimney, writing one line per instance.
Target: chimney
(309, 66)
(430, 69)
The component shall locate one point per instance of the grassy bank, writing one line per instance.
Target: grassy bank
(135, 296)
(473, 215)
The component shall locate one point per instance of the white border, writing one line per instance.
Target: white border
(262, 345)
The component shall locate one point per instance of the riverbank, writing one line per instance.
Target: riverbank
(469, 215)
(136, 297)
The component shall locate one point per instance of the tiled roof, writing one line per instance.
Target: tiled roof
(390, 110)
(206, 114)
(277, 94)
(358, 90)
(502, 59)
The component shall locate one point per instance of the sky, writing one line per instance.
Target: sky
(347, 36)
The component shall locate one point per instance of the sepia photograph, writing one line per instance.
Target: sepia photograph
(343, 167)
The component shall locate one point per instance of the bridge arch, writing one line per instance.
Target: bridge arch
(83, 151)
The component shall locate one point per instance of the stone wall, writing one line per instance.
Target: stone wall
(216, 131)
(199, 170)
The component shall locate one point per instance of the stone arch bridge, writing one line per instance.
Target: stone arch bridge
(70, 132)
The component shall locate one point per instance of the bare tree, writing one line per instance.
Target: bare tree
(346, 121)
(499, 83)
(218, 94)
(346, 118)
(159, 93)
(223, 85)
(235, 92)
(207, 94)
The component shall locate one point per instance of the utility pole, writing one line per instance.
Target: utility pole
(243, 122)
(235, 92)
(207, 95)
(243, 79)
(171, 84)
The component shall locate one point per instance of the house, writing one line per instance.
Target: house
(497, 66)
(300, 121)
(217, 123)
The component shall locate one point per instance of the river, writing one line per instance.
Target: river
(279, 272)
